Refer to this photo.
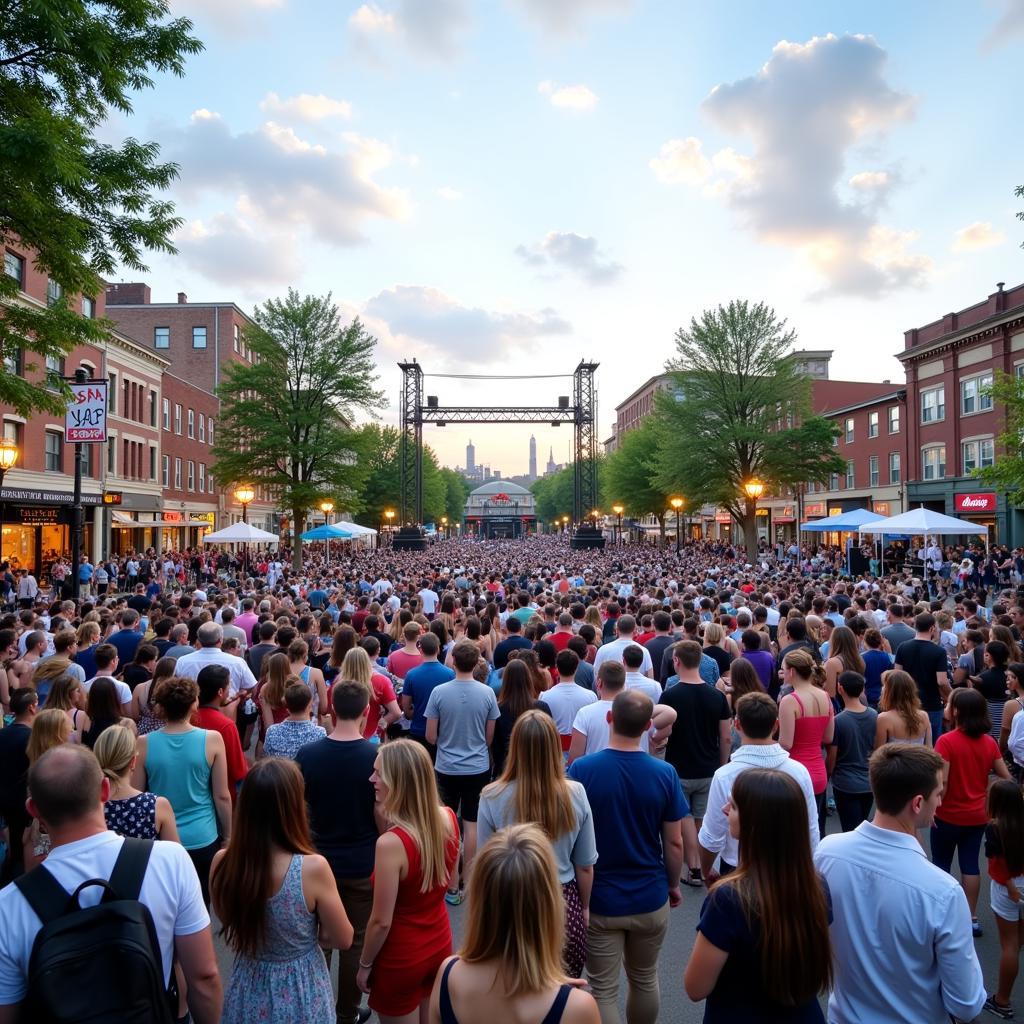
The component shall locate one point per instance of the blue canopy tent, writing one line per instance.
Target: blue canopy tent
(327, 532)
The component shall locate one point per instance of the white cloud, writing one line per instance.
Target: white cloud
(306, 107)
(568, 97)
(979, 235)
(416, 315)
(237, 16)
(578, 254)
(449, 193)
(564, 17)
(432, 30)
(230, 250)
(802, 114)
(1010, 24)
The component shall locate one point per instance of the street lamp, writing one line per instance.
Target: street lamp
(444, 526)
(327, 507)
(8, 457)
(618, 510)
(565, 522)
(389, 515)
(244, 493)
(677, 504)
(754, 488)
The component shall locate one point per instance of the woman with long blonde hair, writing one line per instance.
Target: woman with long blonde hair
(901, 718)
(46, 673)
(50, 729)
(843, 656)
(66, 694)
(357, 668)
(276, 673)
(593, 616)
(408, 935)
(510, 964)
(533, 787)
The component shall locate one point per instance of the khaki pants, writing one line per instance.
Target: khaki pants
(632, 942)
(357, 899)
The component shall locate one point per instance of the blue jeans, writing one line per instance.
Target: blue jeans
(964, 840)
(935, 717)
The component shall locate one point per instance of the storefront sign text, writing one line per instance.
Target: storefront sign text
(975, 502)
(47, 497)
(38, 516)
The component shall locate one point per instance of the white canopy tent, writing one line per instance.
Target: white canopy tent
(240, 533)
(924, 522)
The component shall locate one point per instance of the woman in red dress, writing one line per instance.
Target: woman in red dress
(408, 935)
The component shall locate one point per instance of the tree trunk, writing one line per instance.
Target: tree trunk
(750, 530)
(298, 528)
(661, 529)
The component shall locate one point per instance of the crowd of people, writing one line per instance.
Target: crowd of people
(319, 763)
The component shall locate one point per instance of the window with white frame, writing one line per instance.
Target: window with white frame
(978, 454)
(933, 462)
(873, 471)
(209, 431)
(894, 419)
(54, 444)
(202, 427)
(235, 339)
(54, 292)
(202, 477)
(191, 475)
(192, 423)
(872, 424)
(974, 396)
(833, 482)
(851, 475)
(88, 307)
(166, 471)
(209, 483)
(14, 267)
(177, 418)
(848, 430)
(933, 404)
(167, 414)
(894, 467)
(177, 474)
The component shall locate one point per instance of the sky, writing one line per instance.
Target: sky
(506, 187)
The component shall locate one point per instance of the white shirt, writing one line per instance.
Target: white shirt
(772, 618)
(382, 587)
(638, 681)
(612, 651)
(190, 665)
(1016, 741)
(170, 890)
(565, 699)
(901, 932)
(714, 830)
(430, 601)
(124, 691)
(592, 721)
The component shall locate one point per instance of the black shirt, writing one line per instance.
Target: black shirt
(993, 684)
(656, 648)
(693, 745)
(13, 764)
(720, 656)
(923, 660)
(341, 798)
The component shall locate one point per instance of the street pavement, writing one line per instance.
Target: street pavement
(676, 1008)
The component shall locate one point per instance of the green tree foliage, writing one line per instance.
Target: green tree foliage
(740, 409)
(285, 419)
(631, 476)
(554, 495)
(82, 206)
(1008, 472)
(457, 490)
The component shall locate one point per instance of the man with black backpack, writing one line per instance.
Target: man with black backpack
(65, 955)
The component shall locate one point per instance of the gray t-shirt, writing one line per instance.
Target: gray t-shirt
(576, 848)
(898, 633)
(854, 740)
(462, 709)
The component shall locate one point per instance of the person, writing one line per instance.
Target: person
(991, 684)
(50, 729)
(925, 660)
(277, 904)
(127, 638)
(336, 775)
(1004, 852)
(901, 718)
(515, 698)
(758, 657)
(460, 723)
(806, 721)
(700, 742)
(419, 684)
(403, 660)
(876, 663)
(287, 737)
(128, 811)
(533, 788)
(901, 936)
(188, 766)
(140, 669)
(106, 667)
(357, 667)
(66, 694)
(970, 754)
(67, 791)
(514, 641)
(408, 935)
(298, 665)
(566, 697)
(843, 656)
(210, 636)
(13, 769)
(636, 878)
(214, 682)
(1012, 708)
(104, 709)
(762, 951)
(509, 961)
(849, 752)
(625, 627)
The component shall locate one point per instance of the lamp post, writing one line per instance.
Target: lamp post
(753, 488)
(327, 507)
(244, 493)
(565, 523)
(677, 504)
(618, 510)
(389, 515)
(444, 526)
(8, 457)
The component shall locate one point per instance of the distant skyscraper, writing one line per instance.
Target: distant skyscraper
(552, 468)
(470, 458)
(533, 457)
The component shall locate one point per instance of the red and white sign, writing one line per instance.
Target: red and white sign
(85, 420)
(975, 502)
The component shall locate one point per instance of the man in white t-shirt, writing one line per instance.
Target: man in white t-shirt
(567, 697)
(591, 727)
(105, 657)
(625, 626)
(429, 600)
(67, 792)
(632, 660)
(210, 637)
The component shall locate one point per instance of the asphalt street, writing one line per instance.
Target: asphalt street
(676, 1008)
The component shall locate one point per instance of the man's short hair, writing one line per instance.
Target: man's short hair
(688, 653)
(925, 622)
(430, 644)
(105, 655)
(227, 614)
(757, 714)
(513, 625)
(36, 638)
(128, 618)
(209, 634)
(179, 633)
(631, 713)
(297, 697)
(212, 679)
(567, 662)
(411, 631)
(900, 771)
(625, 625)
(350, 700)
(267, 631)
(662, 622)
(612, 675)
(22, 699)
(633, 656)
(796, 629)
(578, 646)
(64, 639)
(852, 683)
(65, 784)
(465, 655)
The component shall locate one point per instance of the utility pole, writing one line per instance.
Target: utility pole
(76, 511)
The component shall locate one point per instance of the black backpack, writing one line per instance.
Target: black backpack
(98, 963)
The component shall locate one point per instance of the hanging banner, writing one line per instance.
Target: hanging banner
(85, 421)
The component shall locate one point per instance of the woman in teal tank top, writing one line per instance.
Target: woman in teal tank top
(188, 767)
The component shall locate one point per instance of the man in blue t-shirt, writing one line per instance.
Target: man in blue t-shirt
(419, 684)
(638, 807)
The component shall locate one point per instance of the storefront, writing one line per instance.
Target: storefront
(961, 498)
(36, 527)
(784, 521)
(978, 507)
(167, 531)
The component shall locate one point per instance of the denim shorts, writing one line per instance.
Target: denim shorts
(964, 839)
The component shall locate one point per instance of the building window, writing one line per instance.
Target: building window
(191, 475)
(177, 474)
(872, 424)
(199, 337)
(850, 474)
(192, 423)
(894, 467)
(978, 454)
(167, 414)
(14, 266)
(177, 418)
(12, 431)
(202, 477)
(202, 429)
(112, 456)
(873, 471)
(973, 397)
(209, 483)
(848, 430)
(54, 442)
(161, 337)
(12, 361)
(152, 408)
(152, 462)
(894, 419)
(933, 462)
(235, 340)
(833, 482)
(54, 291)
(54, 369)
(933, 405)
(88, 307)
(166, 471)
(209, 431)
(112, 393)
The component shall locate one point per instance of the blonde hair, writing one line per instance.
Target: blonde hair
(87, 632)
(413, 804)
(356, 667)
(899, 694)
(278, 675)
(62, 689)
(536, 767)
(50, 729)
(713, 633)
(516, 911)
(50, 670)
(801, 662)
(114, 750)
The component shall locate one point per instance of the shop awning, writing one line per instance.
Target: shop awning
(124, 520)
(200, 522)
(784, 519)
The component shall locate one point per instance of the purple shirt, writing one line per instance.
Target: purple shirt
(764, 665)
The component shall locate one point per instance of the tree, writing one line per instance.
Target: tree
(1007, 473)
(82, 207)
(631, 474)
(554, 495)
(285, 420)
(741, 410)
(456, 492)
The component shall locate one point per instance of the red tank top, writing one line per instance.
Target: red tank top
(808, 731)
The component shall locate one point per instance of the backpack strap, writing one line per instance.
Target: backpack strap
(130, 868)
(44, 894)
